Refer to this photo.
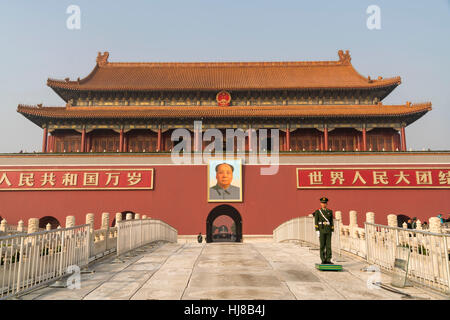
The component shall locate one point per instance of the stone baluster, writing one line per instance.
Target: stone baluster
(353, 218)
(33, 225)
(129, 216)
(105, 220)
(435, 225)
(3, 225)
(20, 226)
(48, 227)
(418, 224)
(137, 216)
(392, 220)
(118, 217)
(370, 217)
(90, 221)
(70, 221)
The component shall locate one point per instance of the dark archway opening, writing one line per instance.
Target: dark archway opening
(46, 220)
(229, 211)
(124, 217)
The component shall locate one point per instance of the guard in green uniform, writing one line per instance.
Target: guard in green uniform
(323, 221)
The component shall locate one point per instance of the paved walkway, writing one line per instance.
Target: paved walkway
(224, 271)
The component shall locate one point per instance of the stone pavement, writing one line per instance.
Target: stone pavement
(224, 271)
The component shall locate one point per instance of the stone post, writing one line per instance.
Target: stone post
(118, 217)
(20, 226)
(144, 217)
(129, 216)
(418, 225)
(48, 227)
(338, 215)
(370, 217)
(90, 220)
(404, 225)
(392, 220)
(105, 220)
(70, 221)
(353, 225)
(435, 225)
(33, 225)
(137, 216)
(353, 215)
(3, 225)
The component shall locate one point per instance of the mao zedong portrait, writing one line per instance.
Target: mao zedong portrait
(224, 190)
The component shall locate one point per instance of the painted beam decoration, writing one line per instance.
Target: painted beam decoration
(70, 178)
(373, 177)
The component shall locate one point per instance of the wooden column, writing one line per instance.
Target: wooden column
(288, 139)
(89, 143)
(50, 143)
(158, 147)
(325, 138)
(83, 140)
(249, 138)
(364, 137)
(121, 146)
(44, 140)
(403, 138)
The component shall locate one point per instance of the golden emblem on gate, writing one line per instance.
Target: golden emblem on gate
(223, 98)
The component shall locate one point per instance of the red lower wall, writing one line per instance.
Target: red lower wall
(179, 198)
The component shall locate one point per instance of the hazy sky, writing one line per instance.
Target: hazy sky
(414, 43)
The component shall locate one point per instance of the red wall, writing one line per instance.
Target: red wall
(179, 198)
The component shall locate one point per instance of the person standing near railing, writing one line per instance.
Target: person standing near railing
(323, 221)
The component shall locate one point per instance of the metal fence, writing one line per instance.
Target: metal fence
(428, 258)
(429, 252)
(29, 260)
(132, 234)
(302, 229)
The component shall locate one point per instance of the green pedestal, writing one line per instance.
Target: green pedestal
(328, 267)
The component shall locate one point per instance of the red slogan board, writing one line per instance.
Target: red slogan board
(76, 179)
(344, 177)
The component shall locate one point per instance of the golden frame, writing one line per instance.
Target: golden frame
(84, 188)
(373, 187)
(240, 180)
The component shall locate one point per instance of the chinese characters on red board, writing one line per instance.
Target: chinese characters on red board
(76, 179)
(329, 178)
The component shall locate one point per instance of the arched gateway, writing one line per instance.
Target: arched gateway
(226, 210)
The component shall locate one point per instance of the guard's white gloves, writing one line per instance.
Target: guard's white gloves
(318, 234)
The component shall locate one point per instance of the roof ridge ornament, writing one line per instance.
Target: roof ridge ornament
(344, 57)
(102, 59)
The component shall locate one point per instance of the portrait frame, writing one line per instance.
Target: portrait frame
(236, 181)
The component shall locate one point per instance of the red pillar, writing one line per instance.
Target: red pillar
(325, 138)
(83, 140)
(121, 141)
(364, 136)
(288, 140)
(249, 139)
(49, 143)
(44, 140)
(402, 132)
(158, 147)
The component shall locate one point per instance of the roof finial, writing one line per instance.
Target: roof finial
(102, 59)
(344, 57)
